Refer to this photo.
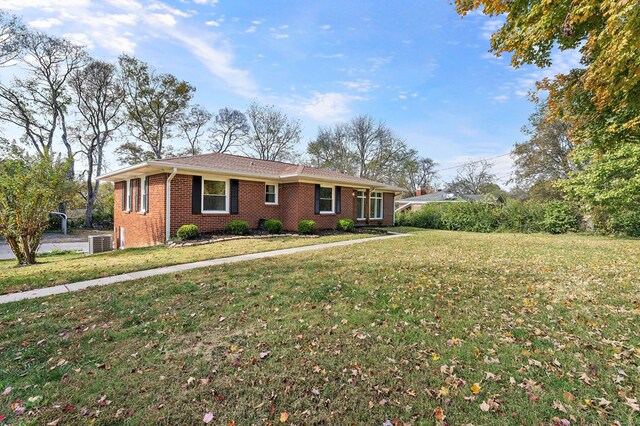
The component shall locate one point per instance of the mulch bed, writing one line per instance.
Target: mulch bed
(208, 238)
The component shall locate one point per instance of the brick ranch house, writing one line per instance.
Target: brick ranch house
(153, 199)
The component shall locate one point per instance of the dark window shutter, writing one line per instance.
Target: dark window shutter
(234, 196)
(137, 194)
(338, 199)
(317, 209)
(196, 195)
(124, 195)
(146, 201)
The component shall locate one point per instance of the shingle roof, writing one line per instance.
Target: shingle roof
(442, 196)
(229, 163)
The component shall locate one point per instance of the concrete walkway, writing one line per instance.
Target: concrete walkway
(6, 253)
(69, 288)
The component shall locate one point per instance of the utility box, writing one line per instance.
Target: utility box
(100, 243)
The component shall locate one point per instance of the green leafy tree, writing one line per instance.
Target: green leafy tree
(30, 187)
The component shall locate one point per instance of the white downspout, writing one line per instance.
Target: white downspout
(167, 220)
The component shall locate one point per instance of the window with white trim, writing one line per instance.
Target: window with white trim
(375, 211)
(326, 199)
(271, 193)
(360, 204)
(145, 196)
(129, 194)
(214, 196)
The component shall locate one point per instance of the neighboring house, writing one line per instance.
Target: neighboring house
(153, 199)
(417, 202)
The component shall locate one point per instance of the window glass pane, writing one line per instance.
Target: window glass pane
(360, 207)
(270, 198)
(326, 205)
(214, 187)
(270, 191)
(214, 203)
(326, 193)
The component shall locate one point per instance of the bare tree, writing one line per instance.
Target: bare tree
(332, 149)
(230, 128)
(38, 104)
(192, 125)
(98, 97)
(472, 177)
(273, 135)
(11, 30)
(367, 137)
(154, 102)
(421, 172)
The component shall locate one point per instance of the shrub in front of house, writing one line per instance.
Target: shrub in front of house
(187, 232)
(560, 217)
(472, 217)
(237, 227)
(306, 227)
(429, 217)
(273, 226)
(524, 217)
(345, 225)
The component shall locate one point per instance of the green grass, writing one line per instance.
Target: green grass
(64, 267)
(387, 330)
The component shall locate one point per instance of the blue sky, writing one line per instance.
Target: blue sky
(416, 65)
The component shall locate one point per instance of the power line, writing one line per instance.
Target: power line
(473, 162)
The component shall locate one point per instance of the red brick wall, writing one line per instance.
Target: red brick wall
(296, 202)
(251, 206)
(299, 204)
(141, 229)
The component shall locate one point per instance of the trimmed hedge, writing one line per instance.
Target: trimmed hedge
(237, 227)
(187, 232)
(306, 227)
(345, 225)
(515, 216)
(273, 226)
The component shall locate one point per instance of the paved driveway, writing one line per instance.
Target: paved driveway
(5, 251)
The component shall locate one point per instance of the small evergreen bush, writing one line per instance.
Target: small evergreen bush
(187, 232)
(237, 227)
(273, 226)
(345, 225)
(306, 227)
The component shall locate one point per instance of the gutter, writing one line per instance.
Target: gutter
(167, 216)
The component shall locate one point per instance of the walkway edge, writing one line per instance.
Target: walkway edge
(81, 285)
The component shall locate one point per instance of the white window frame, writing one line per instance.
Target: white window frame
(144, 195)
(227, 196)
(275, 185)
(333, 200)
(380, 215)
(364, 204)
(129, 195)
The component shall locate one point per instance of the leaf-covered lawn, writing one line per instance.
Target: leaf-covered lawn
(469, 328)
(68, 268)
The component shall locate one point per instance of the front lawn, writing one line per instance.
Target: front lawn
(496, 329)
(68, 268)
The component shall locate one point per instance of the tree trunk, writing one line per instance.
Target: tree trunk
(15, 248)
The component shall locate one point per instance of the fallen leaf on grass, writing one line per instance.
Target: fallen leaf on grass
(485, 407)
(208, 417)
(438, 413)
(283, 417)
(54, 423)
(7, 390)
(475, 388)
(263, 355)
(632, 403)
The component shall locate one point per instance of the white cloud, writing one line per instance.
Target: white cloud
(325, 27)
(206, 2)
(562, 63)
(333, 56)
(490, 27)
(360, 85)
(80, 38)
(160, 20)
(42, 24)
(501, 98)
(251, 29)
(328, 107)
(280, 36)
(126, 4)
(212, 23)
(257, 22)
